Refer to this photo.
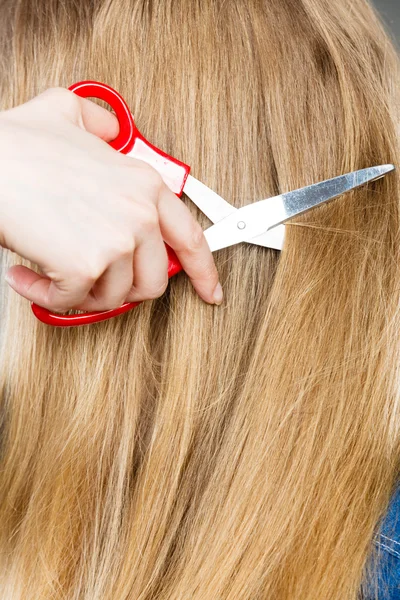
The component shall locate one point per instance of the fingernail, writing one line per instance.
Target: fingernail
(218, 294)
(10, 279)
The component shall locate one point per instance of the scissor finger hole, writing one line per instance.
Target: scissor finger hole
(108, 96)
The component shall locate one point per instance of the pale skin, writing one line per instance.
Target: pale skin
(92, 219)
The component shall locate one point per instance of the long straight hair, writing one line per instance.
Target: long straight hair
(188, 451)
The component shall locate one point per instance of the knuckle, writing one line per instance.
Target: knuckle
(153, 180)
(54, 91)
(152, 174)
(123, 245)
(60, 306)
(88, 272)
(156, 180)
(61, 95)
(157, 290)
(146, 216)
(63, 300)
(114, 303)
(57, 90)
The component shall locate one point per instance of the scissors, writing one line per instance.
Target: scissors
(260, 223)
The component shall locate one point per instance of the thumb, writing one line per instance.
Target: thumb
(82, 112)
(45, 292)
(28, 283)
(97, 120)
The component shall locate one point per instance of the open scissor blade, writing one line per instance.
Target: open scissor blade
(216, 209)
(253, 220)
(208, 201)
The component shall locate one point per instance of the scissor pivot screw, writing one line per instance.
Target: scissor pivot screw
(241, 225)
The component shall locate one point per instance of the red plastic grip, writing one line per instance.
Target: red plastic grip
(94, 89)
(59, 320)
(130, 142)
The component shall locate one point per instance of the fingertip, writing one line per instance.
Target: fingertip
(27, 283)
(218, 295)
(99, 121)
(15, 276)
(10, 280)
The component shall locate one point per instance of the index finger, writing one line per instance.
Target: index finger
(184, 234)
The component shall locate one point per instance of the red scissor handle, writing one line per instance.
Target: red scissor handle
(129, 141)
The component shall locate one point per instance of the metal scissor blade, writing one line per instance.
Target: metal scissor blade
(210, 203)
(255, 219)
(216, 209)
(302, 200)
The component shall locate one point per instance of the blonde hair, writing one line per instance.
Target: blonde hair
(187, 451)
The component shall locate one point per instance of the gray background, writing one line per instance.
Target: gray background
(390, 11)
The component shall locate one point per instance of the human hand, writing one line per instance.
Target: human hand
(91, 218)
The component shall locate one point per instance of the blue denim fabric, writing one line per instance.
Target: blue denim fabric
(387, 565)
